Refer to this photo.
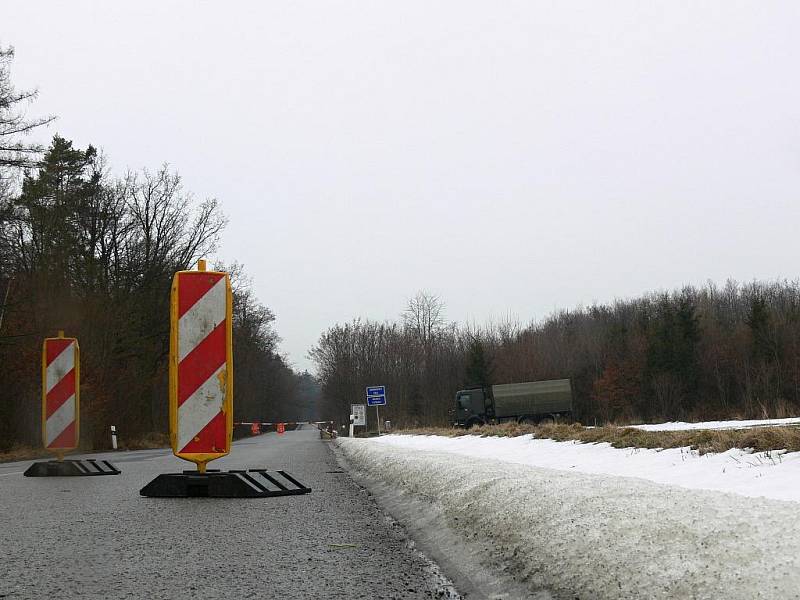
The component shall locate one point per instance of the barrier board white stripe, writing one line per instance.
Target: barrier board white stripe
(63, 364)
(61, 419)
(201, 407)
(201, 319)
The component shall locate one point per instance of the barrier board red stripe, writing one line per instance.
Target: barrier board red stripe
(66, 439)
(211, 436)
(193, 286)
(201, 363)
(55, 346)
(61, 392)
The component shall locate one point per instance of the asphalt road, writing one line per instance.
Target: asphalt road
(96, 537)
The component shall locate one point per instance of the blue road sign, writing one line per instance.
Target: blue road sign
(376, 395)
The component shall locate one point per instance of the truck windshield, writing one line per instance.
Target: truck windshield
(464, 401)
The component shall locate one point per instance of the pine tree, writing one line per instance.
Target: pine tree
(52, 207)
(480, 366)
(758, 321)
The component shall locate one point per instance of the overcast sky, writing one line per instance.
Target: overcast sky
(512, 157)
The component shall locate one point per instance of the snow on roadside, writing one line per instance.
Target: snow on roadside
(681, 426)
(592, 536)
(774, 474)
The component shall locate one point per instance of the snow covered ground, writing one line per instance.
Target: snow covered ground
(774, 475)
(591, 535)
(681, 426)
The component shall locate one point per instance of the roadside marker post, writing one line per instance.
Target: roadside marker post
(114, 437)
(201, 395)
(61, 368)
(376, 396)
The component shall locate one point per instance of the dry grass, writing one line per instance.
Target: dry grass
(145, 442)
(759, 439)
(16, 453)
(151, 440)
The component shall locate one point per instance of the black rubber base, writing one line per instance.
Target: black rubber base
(255, 483)
(71, 468)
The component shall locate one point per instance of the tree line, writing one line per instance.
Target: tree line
(93, 254)
(730, 351)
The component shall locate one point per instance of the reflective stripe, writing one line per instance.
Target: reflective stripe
(201, 363)
(201, 319)
(60, 420)
(61, 365)
(201, 407)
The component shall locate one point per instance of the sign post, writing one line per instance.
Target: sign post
(358, 414)
(376, 396)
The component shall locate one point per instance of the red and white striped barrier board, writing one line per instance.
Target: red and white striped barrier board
(201, 366)
(60, 393)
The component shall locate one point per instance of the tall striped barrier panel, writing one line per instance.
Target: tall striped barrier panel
(201, 395)
(61, 368)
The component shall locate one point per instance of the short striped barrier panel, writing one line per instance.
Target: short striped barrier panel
(201, 394)
(61, 370)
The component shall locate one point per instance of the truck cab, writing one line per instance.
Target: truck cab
(473, 407)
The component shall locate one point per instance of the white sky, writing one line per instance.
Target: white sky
(512, 157)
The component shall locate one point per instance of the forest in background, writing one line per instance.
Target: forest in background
(93, 254)
(691, 354)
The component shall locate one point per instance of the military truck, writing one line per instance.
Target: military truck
(532, 402)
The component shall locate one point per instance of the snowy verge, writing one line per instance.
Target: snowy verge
(774, 474)
(717, 425)
(591, 536)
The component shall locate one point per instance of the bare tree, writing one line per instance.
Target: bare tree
(14, 122)
(171, 231)
(424, 315)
